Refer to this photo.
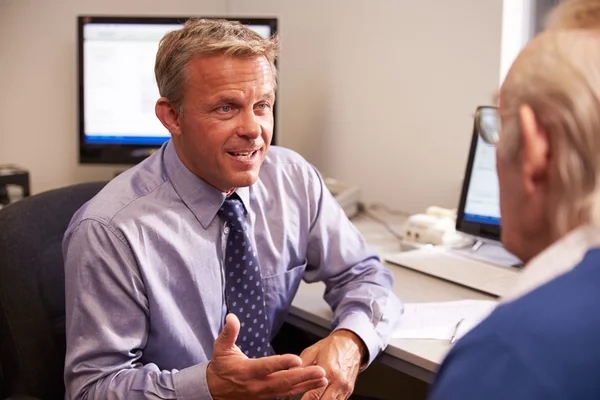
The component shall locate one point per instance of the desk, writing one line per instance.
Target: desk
(417, 358)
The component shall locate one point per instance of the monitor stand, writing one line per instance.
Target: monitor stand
(488, 251)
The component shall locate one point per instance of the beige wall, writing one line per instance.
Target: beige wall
(38, 115)
(378, 93)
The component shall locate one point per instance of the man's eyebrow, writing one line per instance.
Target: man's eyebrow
(231, 99)
(226, 99)
(268, 95)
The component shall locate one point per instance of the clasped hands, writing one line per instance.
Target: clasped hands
(325, 370)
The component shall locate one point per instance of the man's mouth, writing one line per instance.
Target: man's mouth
(243, 155)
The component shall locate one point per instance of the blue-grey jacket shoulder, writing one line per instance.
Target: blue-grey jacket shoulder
(541, 345)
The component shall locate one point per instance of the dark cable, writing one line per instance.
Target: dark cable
(385, 224)
(381, 206)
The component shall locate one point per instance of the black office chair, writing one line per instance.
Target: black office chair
(32, 290)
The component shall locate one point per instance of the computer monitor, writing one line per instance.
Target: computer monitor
(117, 88)
(479, 209)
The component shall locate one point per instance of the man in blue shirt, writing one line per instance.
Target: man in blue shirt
(544, 343)
(217, 227)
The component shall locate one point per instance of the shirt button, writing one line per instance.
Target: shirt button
(226, 230)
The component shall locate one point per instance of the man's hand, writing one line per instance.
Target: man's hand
(232, 375)
(341, 355)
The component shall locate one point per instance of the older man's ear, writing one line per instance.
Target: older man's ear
(535, 155)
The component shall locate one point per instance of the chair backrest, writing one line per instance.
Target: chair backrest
(32, 290)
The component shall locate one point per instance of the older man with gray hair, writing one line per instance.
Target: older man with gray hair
(543, 342)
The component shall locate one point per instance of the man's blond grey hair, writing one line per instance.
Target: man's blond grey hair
(559, 78)
(575, 14)
(206, 37)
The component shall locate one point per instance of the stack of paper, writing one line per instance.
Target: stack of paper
(442, 320)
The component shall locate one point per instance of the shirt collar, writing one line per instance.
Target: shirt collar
(201, 198)
(562, 256)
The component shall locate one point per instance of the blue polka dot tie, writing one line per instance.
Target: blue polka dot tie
(243, 283)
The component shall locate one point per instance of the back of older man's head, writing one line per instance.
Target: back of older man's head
(575, 14)
(557, 75)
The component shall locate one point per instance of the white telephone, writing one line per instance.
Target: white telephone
(436, 226)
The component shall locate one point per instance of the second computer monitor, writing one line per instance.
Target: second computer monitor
(479, 208)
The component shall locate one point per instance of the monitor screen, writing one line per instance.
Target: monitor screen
(117, 86)
(479, 209)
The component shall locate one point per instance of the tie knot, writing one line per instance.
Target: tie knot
(232, 211)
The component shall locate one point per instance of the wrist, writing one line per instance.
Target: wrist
(213, 381)
(357, 341)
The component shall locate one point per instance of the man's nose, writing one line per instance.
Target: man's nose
(249, 126)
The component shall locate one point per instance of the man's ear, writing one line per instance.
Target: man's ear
(535, 155)
(168, 115)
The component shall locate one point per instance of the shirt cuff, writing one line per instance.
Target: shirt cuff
(191, 383)
(361, 325)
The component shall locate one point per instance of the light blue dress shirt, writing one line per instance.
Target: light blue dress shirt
(144, 273)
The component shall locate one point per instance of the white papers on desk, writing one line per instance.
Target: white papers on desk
(439, 320)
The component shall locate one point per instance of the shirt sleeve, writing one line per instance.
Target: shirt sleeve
(107, 323)
(359, 289)
(481, 366)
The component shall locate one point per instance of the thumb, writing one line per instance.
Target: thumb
(229, 334)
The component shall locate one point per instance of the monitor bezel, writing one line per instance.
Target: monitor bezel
(130, 154)
(479, 229)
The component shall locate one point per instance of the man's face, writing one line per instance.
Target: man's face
(227, 122)
(512, 204)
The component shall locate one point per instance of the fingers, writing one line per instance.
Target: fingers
(264, 366)
(338, 390)
(287, 383)
(307, 387)
(229, 334)
(293, 377)
(314, 394)
(268, 377)
(295, 381)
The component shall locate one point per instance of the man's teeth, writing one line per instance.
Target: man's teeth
(247, 154)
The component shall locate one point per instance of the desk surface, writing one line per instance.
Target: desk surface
(415, 357)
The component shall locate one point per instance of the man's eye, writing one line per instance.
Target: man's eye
(263, 106)
(225, 108)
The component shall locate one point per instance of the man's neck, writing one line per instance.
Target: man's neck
(546, 240)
